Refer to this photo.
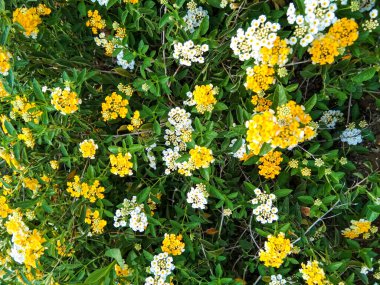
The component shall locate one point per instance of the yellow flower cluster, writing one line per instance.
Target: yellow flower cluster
(65, 101)
(288, 127)
(90, 192)
(5, 65)
(259, 78)
(93, 219)
(88, 148)
(3, 93)
(270, 164)
(54, 164)
(95, 21)
(32, 184)
(357, 228)
(63, 250)
(30, 18)
(172, 244)
(277, 55)
(126, 89)
(136, 122)
(261, 104)
(114, 107)
(201, 157)
(131, 1)
(123, 271)
(203, 97)
(344, 31)
(313, 274)
(276, 250)
(27, 137)
(5, 210)
(10, 159)
(121, 164)
(28, 111)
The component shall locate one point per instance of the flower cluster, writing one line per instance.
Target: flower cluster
(30, 18)
(270, 164)
(5, 65)
(114, 106)
(265, 212)
(123, 62)
(201, 157)
(101, 2)
(372, 23)
(261, 33)
(172, 244)
(357, 228)
(131, 213)
(121, 164)
(344, 31)
(90, 192)
(319, 15)
(278, 55)
(95, 21)
(180, 129)
(162, 266)
(259, 78)
(65, 101)
(203, 97)
(63, 250)
(28, 111)
(277, 280)
(313, 274)
(241, 153)
(31, 184)
(150, 156)
(197, 196)
(276, 250)
(194, 16)
(88, 148)
(261, 104)
(5, 210)
(330, 118)
(3, 92)
(136, 122)
(188, 52)
(97, 224)
(351, 136)
(285, 129)
(27, 137)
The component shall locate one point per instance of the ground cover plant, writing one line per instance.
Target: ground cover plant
(189, 142)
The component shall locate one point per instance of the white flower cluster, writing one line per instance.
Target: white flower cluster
(261, 33)
(265, 211)
(367, 5)
(241, 151)
(151, 157)
(197, 196)
(169, 157)
(194, 17)
(162, 266)
(101, 2)
(319, 15)
(277, 280)
(330, 118)
(101, 40)
(188, 52)
(372, 23)
(123, 63)
(133, 211)
(180, 129)
(352, 136)
(155, 281)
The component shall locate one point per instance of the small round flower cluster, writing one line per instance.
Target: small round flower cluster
(319, 15)
(28, 111)
(90, 192)
(162, 266)
(63, 250)
(330, 118)
(95, 21)
(155, 281)
(241, 153)
(30, 18)
(10, 159)
(357, 228)
(101, 2)
(188, 53)
(150, 156)
(65, 101)
(261, 104)
(27, 137)
(344, 31)
(277, 249)
(93, 219)
(201, 157)
(123, 271)
(132, 213)
(194, 17)
(136, 122)
(203, 97)
(180, 131)
(278, 55)
(31, 184)
(261, 33)
(197, 196)
(114, 106)
(88, 148)
(259, 78)
(351, 136)
(270, 164)
(5, 210)
(277, 280)
(3, 92)
(121, 164)
(122, 62)
(5, 65)
(172, 244)
(373, 23)
(265, 212)
(313, 274)
(170, 156)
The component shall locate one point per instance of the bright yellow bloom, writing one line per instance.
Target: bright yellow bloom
(276, 250)
(121, 164)
(261, 104)
(306, 171)
(357, 228)
(88, 148)
(32, 184)
(172, 244)
(5, 65)
(27, 137)
(10, 159)
(95, 21)
(54, 164)
(277, 55)
(259, 78)
(313, 274)
(114, 107)
(5, 210)
(136, 122)
(203, 97)
(30, 18)
(324, 50)
(28, 111)
(123, 271)
(131, 1)
(270, 164)
(63, 249)
(65, 101)
(344, 31)
(93, 219)
(201, 157)
(90, 192)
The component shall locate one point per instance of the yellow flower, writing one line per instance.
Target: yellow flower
(261, 104)
(277, 55)
(95, 21)
(54, 164)
(30, 18)
(28, 111)
(63, 249)
(90, 192)
(121, 164)
(114, 107)
(27, 137)
(306, 171)
(201, 157)
(276, 250)
(88, 148)
(313, 274)
(5, 65)
(32, 184)
(172, 244)
(270, 164)
(93, 219)
(131, 1)
(123, 271)
(203, 97)
(136, 122)
(259, 78)
(324, 50)
(344, 31)
(5, 210)
(357, 228)
(65, 101)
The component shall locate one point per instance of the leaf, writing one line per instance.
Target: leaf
(279, 97)
(203, 28)
(122, 128)
(116, 254)
(364, 75)
(211, 231)
(308, 200)
(311, 103)
(99, 275)
(11, 130)
(143, 195)
(282, 192)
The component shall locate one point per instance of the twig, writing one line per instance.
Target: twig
(208, 263)
(349, 109)
(298, 62)
(250, 231)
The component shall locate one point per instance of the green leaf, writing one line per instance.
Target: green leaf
(282, 192)
(38, 91)
(308, 200)
(116, 254)
(311, 103)
(279, 97)
(11, 130)
(96, 277)
(364, 75)
(143, 195)
(203, 28)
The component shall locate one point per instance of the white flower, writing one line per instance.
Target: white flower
(373, 14)
(197, 196)
(138, 221)
(162, 265)
(351, 136)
